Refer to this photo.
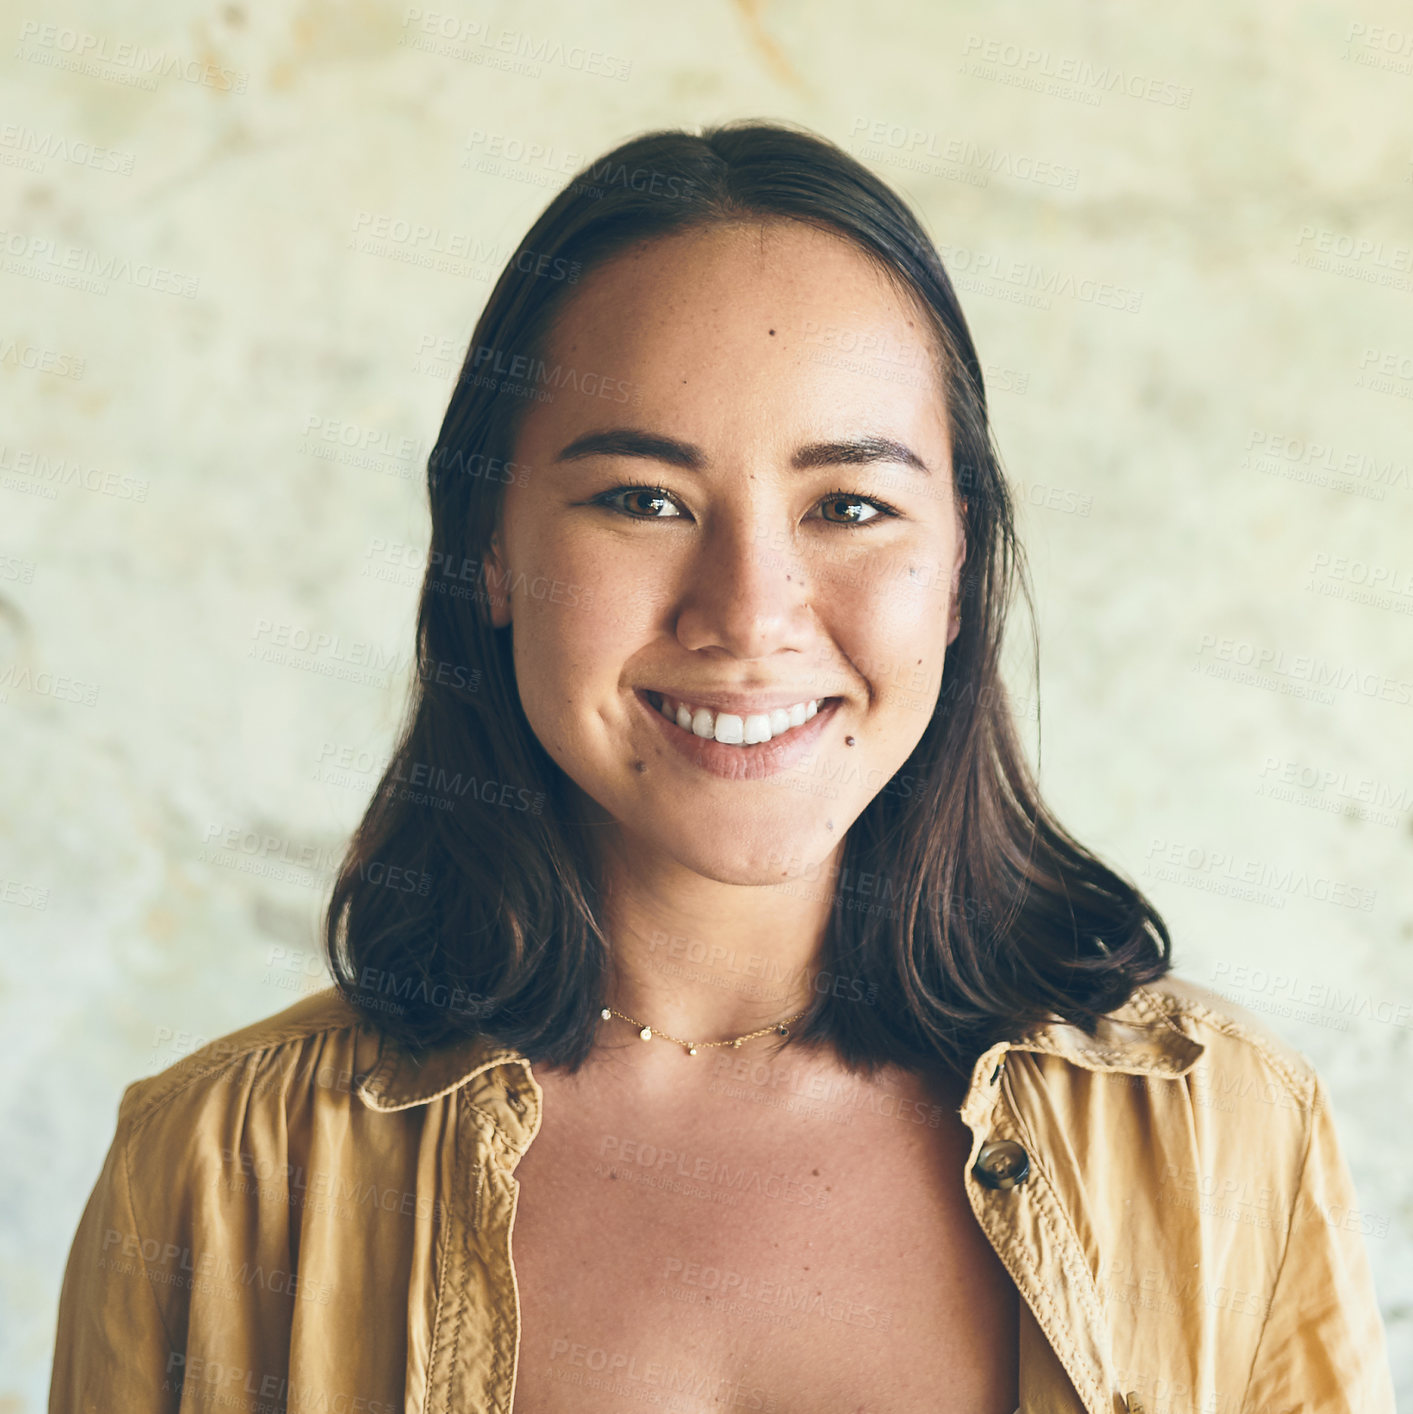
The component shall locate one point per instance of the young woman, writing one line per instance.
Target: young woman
(707, 935)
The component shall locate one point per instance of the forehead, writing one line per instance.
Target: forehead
(733, 322)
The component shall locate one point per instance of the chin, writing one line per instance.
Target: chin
(755, 853)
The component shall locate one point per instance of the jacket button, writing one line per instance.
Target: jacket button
(1002, 1163)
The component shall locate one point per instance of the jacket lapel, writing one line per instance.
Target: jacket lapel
(1030, 1225)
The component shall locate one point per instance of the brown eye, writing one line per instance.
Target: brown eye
(843, 502)
(640, 503)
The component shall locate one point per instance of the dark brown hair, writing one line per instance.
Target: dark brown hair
(469, 902)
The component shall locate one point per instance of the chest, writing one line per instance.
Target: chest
(793, 1262)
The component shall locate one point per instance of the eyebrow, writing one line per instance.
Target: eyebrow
(653, 446)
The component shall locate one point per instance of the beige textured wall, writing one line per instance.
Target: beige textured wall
(1182, 238)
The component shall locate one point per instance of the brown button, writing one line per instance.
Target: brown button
(1002, 1163)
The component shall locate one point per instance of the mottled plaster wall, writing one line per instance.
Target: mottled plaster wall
(1182, 238)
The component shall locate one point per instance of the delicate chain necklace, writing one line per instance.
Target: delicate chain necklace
(647, 1033)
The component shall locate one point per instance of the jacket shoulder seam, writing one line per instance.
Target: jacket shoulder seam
(167, 1085)
(1300, 1082)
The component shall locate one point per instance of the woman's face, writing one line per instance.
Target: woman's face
(794, 537)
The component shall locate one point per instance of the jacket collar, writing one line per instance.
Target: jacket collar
(402, 1077)
(1142, 1037)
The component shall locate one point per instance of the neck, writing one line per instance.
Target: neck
(707, 961)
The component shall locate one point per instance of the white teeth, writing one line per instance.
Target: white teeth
(733, 730)
(729, 729)
(756, 728)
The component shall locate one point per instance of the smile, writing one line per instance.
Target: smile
(740, 746)
(749, 729)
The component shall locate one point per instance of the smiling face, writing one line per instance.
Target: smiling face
(725, 509)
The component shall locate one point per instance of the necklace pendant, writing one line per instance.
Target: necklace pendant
(646, 1033)
(691, 1050)
(605, 1013)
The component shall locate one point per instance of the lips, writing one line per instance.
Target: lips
(744, 761)
(735, 729)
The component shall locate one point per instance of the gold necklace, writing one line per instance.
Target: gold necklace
(647, 1033)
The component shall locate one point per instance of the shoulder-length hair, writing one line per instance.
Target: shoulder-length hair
(468, 902)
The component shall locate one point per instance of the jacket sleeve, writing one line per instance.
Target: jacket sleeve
(1322, 1349)
(112, 1350)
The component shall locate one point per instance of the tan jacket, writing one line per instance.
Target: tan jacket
(300, 1217)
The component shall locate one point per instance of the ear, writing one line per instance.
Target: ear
(497, 583)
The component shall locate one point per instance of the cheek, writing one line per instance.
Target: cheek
(889, 616)
(560, 599)
(577, 620)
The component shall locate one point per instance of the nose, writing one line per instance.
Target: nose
(746, 593)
